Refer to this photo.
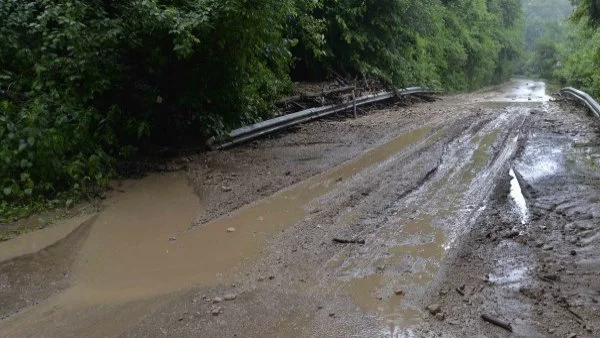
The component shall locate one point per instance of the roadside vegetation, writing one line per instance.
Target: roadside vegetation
(85, 84)
(562, 42)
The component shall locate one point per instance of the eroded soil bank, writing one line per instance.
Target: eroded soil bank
(482, 203)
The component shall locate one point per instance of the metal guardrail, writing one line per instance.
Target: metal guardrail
(247, 133)
(583, 98)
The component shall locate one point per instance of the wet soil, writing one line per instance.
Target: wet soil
(481, 203)
(538, 271)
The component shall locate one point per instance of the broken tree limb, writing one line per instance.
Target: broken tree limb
(497, 322)
(349, 241)
(291, 99)
(354, 102)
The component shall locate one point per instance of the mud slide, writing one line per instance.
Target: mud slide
(344, 227)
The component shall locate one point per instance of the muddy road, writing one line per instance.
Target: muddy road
(408, 221)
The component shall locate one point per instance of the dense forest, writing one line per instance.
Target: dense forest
(85, 84)
(562, 42)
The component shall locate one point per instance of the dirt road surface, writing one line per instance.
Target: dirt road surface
(408, 221)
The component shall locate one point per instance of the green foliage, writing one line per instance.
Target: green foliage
(84, 83)
(581, 56)
(567, 51)
(588, 11)
(545, 33)
(460, 44)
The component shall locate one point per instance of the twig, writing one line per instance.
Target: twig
(580, 319)
(349, 241)
(323, 93)
(497, 322)
(299, 105)
(354, 103)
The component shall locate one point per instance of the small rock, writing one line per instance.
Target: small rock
(171, 239)
(551, 331)
(434, 309)
(217, 300)
(288, 173)
(271, 277)
(320, 307)
(260, 279)
(226, 189)
(381, 268)
(440, 316)
(230, 229)
(230, 296)
(573, 253)
(180, 319)
(331, 314)
(572, 335)
(399, 292)
(216, 310)
(547, 247)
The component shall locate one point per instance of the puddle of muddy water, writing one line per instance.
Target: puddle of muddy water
(141, 245)
(517, 196)
(521, 91)
(512, 278)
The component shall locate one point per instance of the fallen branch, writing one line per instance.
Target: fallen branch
(497, 322)
(349, 241)
(290, 99)
(579, 318)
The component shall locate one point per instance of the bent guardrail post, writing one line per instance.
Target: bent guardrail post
(250, 132)
(583, 98)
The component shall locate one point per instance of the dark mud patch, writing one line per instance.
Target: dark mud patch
(543, 276)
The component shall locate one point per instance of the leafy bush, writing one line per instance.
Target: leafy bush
(85, 83)
(581, 56)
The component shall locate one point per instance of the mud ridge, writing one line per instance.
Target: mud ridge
(27, 280)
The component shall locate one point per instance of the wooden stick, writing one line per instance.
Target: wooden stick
(348, 241)
(354, 103)
(286, 100)
(497, 322)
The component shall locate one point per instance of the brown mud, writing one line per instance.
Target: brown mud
(475, 203)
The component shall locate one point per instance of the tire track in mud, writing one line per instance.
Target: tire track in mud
(537, 274)
(388, 277)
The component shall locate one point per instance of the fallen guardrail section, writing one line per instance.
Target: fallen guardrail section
(583, 98)
(259, 129)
